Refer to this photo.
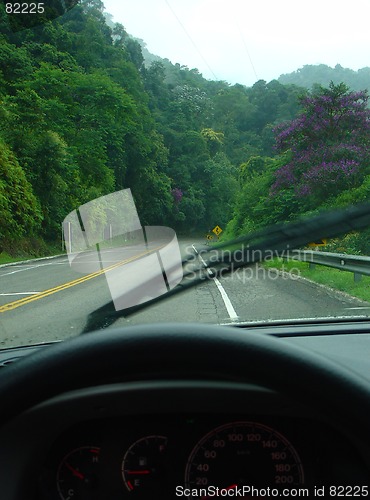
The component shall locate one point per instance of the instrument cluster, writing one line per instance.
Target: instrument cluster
(174, 456)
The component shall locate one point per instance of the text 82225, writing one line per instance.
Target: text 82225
(24, 8)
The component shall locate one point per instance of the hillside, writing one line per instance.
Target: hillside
(86, 110)
(82, 115)
(321, 74)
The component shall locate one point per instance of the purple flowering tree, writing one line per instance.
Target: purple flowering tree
(177, 195)
(327, 145)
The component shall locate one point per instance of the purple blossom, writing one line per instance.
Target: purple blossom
(331, 171)
(323, 175)
(329, 142)
(177, 195)
(304, 190)
(284, 178)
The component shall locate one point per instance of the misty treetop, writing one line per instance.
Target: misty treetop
(311, 75)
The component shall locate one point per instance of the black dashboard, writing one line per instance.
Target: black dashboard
(162, 437)
(162, 456)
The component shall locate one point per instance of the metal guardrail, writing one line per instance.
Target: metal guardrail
(357, 264)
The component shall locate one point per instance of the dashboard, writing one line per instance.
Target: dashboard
(158, 456)
(197, 436)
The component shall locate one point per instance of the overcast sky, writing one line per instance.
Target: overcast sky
(242, 41)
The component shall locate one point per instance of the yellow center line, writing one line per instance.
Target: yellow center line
(26, 300)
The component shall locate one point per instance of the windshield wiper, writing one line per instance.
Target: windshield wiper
(245, 251)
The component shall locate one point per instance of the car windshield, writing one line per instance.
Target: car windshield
(149, 145)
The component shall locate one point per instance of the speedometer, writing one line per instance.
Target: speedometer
(243, 454)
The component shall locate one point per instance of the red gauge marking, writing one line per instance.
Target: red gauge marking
(130, 485)
(138, 472)
(74, 471)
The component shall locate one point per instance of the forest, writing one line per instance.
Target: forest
(321, 74)
(82, 115)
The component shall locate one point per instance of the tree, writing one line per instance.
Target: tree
(214, 140)
(20, 212)
(14, 63)
(220, 189)
(328, 144)
(253, 208)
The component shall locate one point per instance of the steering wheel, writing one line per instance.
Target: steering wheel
(187, 351)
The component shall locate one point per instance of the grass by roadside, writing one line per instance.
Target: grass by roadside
(17, 251)
(7, 259)
(334, 278)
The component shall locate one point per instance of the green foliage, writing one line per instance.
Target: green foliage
(253, 208)
(330, 137)
(86, 110)
(220, 187)
(214, 140)
(14, 64)
(19, 210)
(356, 242)
(84, 115)
(352, 196)
(254, 166)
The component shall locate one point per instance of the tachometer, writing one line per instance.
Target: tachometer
(243, 454)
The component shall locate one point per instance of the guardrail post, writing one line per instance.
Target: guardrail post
(67, 236)
(359, 265)
(357, 277)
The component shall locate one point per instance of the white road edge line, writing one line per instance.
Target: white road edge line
(30, 261)
(361, 307)
(229, 307)
(19, 293)
(16, 271)
(31, 267)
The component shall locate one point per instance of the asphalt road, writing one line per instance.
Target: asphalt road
(46, 300)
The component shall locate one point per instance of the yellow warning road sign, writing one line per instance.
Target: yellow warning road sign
(217, 230)
(319, 243)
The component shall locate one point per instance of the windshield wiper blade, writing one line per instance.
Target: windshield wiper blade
(250, 249)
